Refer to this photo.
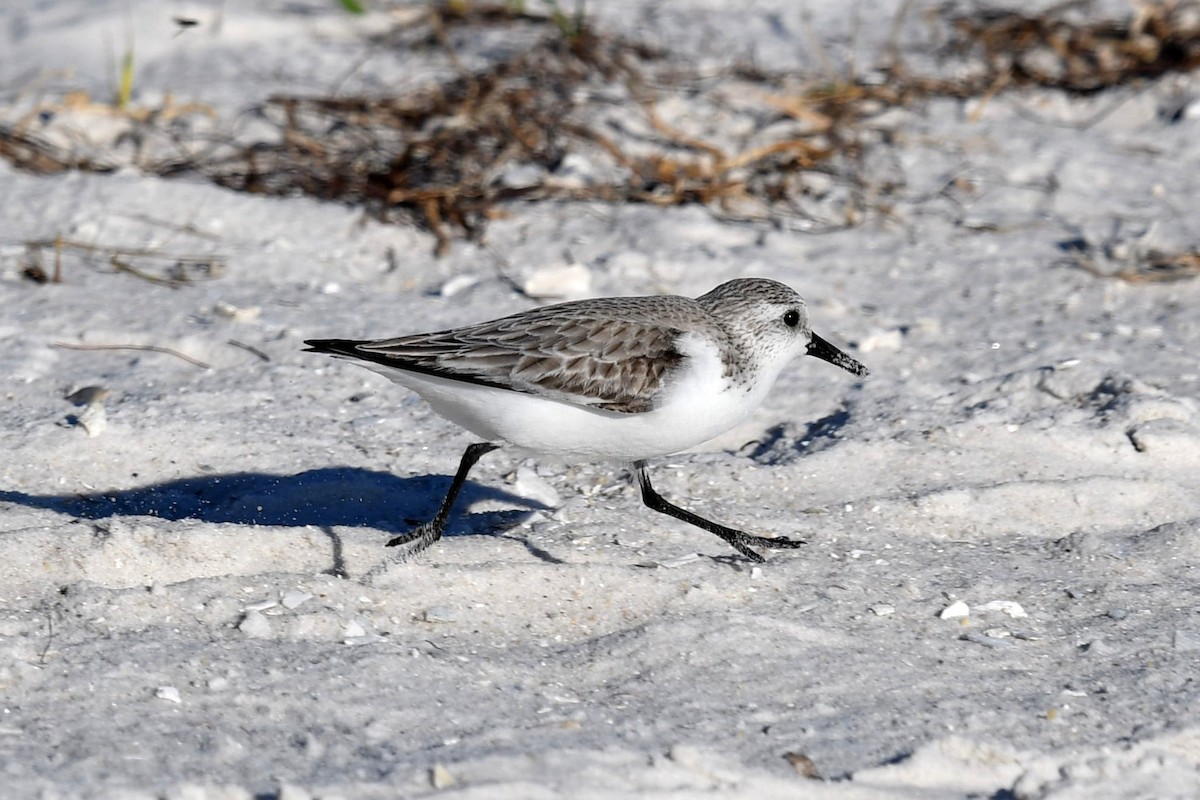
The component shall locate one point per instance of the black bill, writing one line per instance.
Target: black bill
(826, 352)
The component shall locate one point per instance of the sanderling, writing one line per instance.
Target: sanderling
(620, 378)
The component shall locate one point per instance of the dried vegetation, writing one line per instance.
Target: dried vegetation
(574, 114)
(1062, 49)
(154, 265)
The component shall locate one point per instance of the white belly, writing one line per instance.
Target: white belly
(542, 425)
(696, 408)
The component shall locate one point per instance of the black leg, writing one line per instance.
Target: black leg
(739, 540)
(428, 533)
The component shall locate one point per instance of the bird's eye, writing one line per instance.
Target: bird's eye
(791, 318)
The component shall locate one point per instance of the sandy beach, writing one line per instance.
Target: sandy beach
(999, 594)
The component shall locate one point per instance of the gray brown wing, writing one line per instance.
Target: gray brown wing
(597, 354)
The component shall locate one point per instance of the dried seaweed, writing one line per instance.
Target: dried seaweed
(1154, 266)
(450, 153)
(445, 154)
(1059, 50)
(1136, 256)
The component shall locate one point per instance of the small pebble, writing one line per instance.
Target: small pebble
(88, 395)
(354, 629)
(521, 175)
(1117, 613)
(369, 638)
(93, 419)
(987, 641)
(440, 777)
(261, 605)
(564, 280)
(679, 561)
(883, 609)
(236, 313)
(1186, 640)
(255, 625)
(575, 171)
(886, 340)
(956, 610)
(534, 487)
(169, 693)
(1009, 607)
(804, 766)
(459, 283)
(295, 599)
(439, 614)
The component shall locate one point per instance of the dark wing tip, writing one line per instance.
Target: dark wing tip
(354, 349)
(336, 347)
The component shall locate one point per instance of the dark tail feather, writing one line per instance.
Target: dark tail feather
(334, 347)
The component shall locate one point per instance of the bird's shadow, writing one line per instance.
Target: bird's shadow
(325, 498)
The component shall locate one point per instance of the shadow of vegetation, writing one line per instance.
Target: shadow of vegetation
(325, 498)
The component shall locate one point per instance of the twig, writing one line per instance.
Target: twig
(250, 349)
(131, 252)
(49, 637)
(121, 266)
(148, 348)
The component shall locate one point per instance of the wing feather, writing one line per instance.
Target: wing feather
(602, 353)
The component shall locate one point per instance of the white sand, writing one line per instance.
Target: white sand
(170, 620)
